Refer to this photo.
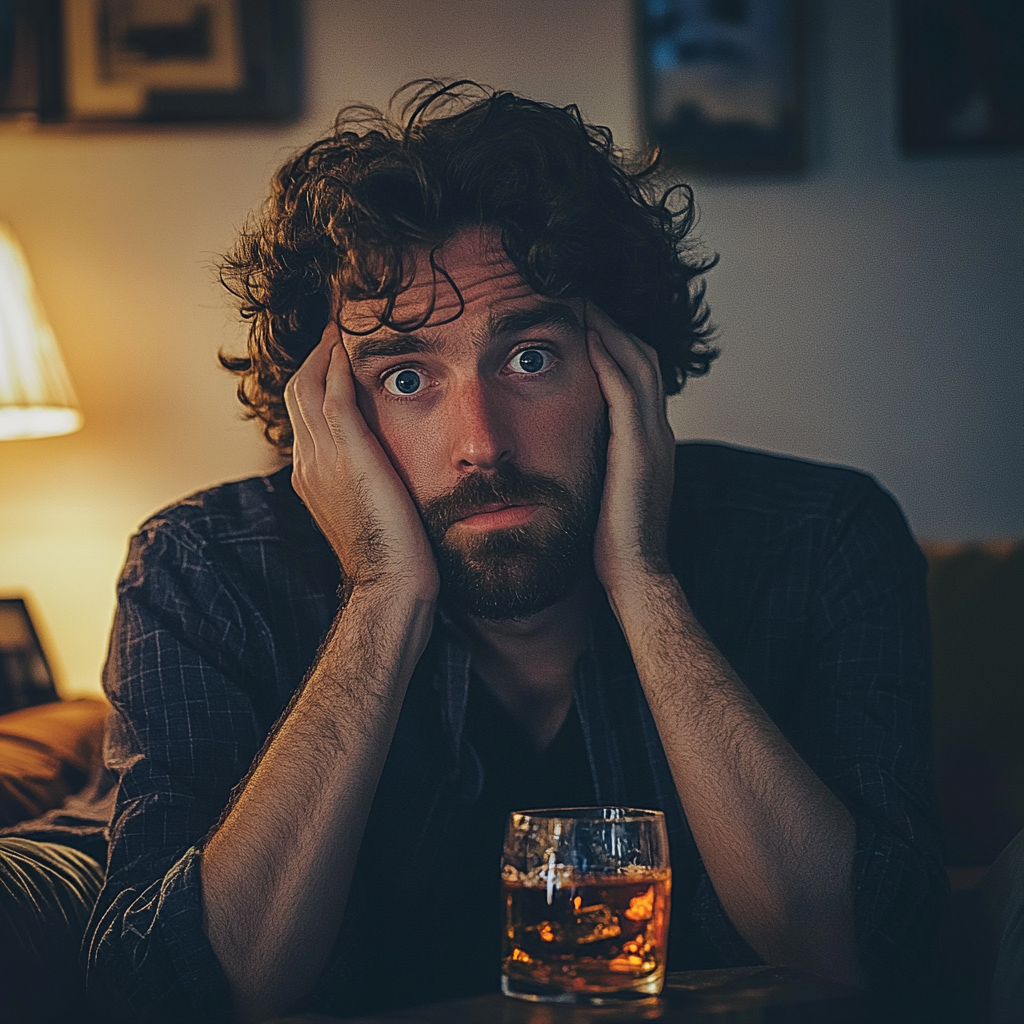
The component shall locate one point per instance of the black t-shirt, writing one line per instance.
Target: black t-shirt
(516, 777)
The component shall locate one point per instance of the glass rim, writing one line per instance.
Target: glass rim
(594, 813)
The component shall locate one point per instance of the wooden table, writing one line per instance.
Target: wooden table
(742, 995)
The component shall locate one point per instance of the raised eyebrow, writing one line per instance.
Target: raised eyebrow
(549, 314)
(366, 349)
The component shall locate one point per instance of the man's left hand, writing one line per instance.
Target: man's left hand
(632, 527)
(777, 843)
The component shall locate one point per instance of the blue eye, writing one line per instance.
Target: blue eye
(530, 360)
(405, 382)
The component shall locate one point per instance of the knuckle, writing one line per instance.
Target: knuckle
(334, 416)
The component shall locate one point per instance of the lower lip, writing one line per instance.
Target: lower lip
(502, 518)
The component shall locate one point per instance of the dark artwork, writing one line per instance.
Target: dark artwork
(189, 39)
(30, 58)
(217, 60)
(25, 678)
(961, 74)
(722, 83)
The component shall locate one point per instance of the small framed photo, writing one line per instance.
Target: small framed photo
(722, 83)
(151, 60)
(25, 677)
(961, 68)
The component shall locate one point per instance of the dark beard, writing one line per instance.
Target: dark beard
(516, 572)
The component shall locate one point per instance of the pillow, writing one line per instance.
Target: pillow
(976, 597)
(46, 752)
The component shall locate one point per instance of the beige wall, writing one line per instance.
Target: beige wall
(841, 294)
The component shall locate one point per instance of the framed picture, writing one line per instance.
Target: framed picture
(30, 58)
(150, 60)
(25, 677)
(722, 83)
(961, 71)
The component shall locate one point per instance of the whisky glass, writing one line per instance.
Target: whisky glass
(587, 897)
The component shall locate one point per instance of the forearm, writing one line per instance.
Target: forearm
(777, 844)
(276, 873)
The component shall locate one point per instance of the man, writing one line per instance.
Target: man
(490, 580)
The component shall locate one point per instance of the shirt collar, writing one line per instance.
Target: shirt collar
(601, 666)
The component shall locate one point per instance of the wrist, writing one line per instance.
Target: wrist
(384, 626)
(639, 581)
(411, 584)
(392, 595)
(650, 599)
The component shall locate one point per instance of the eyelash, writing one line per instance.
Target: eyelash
(395, 371)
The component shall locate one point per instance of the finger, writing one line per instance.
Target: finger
(296, 397)
(599, 320)
(302, 439)
(618, 393)
(314, 366)
(305, 392)
(341, 406)
(638, 365)
(637, 359)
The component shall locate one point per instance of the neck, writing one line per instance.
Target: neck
(528, 664)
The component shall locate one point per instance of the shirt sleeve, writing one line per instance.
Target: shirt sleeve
(865, 728)
(185, 732)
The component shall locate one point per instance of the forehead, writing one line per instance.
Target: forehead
(471, 272)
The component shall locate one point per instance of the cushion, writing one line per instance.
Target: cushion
(976, 596)
(46, 752)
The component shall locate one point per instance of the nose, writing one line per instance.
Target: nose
(480, 433)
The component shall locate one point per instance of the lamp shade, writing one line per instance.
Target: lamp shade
(36, 397)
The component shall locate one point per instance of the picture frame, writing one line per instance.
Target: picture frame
(961, 75)
(722, 84)
(150, 61)
(25, 676)
(30, 59)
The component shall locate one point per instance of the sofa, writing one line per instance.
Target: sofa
(51, 768)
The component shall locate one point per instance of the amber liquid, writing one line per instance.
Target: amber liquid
(603, 935)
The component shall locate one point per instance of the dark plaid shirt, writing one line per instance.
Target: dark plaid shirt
(805, 577)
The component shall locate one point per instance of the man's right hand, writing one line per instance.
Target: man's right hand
(276, 871)
(344, 477)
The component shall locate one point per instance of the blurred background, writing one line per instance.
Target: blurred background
(870, 307)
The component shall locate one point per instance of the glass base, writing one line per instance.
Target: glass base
(517, 988)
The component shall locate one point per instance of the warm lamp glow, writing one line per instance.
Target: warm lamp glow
(36, 397)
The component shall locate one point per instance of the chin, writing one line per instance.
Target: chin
(508, 587)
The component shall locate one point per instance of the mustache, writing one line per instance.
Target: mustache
(507, 485)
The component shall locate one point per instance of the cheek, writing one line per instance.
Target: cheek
(408, 446)
(563, 432)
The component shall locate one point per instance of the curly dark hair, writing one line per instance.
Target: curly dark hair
(578, 219)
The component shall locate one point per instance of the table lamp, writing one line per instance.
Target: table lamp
(36, 397)
(36, 400)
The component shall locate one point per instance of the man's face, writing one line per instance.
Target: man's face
(494, 421)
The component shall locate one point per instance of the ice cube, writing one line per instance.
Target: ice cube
(641, 908)
(592, 924)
